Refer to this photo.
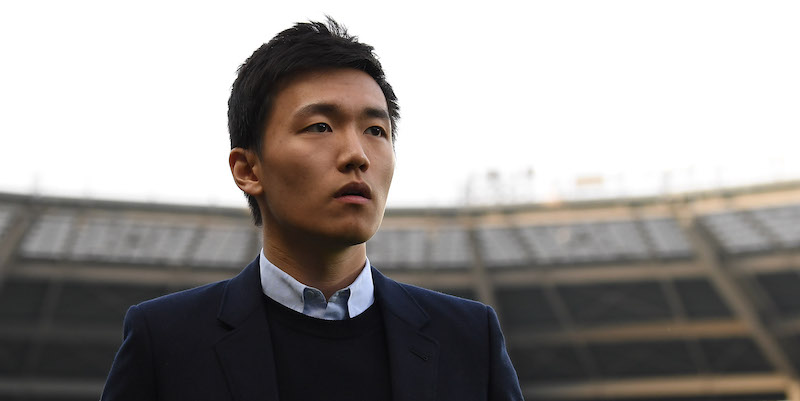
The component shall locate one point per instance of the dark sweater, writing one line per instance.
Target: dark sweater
(333, 360)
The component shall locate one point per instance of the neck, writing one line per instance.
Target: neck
(327, 268)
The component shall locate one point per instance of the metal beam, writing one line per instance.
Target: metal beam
(12, 239)
(443, 278)
(129, 274)
(669, 330)
(774, 261)
(793, 391)
(597, 273)
(54, 388)
(161, 275)
(743, 306)
(479, 274)
(182, 276)
(681, 386)
(63, 335)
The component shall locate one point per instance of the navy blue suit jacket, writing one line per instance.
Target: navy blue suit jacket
(213, 343)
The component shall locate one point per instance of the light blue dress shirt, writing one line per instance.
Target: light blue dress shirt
(350, 301)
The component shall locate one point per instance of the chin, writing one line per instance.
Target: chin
(356, 237)
(354, 234)
(335, 233)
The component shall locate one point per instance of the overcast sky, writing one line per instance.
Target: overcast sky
(128, 100)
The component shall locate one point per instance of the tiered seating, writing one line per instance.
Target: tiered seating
(61, 235)
(625, 238)
(224, 246)
(48, 237)
(585, 301)
(585, 242)
(500, 247)
(398, 248)
(450, 247)
(735, 233)
(666, 237)
(782, 222)
(121, 240)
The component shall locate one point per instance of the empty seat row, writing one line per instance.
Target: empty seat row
(445, 247)
(782, 222)
(667, 238)
(736, 233)
(583, 242)
(65, 237)
(577, 243)
(68, 235)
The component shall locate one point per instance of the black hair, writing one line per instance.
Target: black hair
(305, 46)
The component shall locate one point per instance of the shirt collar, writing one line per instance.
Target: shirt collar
(287, 291)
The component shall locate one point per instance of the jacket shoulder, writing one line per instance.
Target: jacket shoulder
(174, 315)
(185, 299)
(437, 303)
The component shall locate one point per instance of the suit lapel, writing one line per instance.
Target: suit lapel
(245, 353)
(413, 356)
(246, 357)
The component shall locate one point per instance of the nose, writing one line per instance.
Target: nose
(352, 155)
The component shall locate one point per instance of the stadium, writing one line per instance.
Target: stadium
(690, 296)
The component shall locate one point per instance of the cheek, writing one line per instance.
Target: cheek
(390, 164)
(304, 172)
(290, 166)
(386, 171)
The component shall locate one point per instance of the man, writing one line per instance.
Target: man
(312, 123)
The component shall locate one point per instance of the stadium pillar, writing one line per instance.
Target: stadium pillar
(12, 239)
(793, 391)
(735, 296)
(484, 287)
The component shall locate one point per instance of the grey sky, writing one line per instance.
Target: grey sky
(107, 99)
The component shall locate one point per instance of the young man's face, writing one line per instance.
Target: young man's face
(327, 158)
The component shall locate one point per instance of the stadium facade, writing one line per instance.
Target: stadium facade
(688, 297)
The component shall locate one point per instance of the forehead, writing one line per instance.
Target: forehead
(345, 87)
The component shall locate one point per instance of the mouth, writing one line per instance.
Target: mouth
(354, 191)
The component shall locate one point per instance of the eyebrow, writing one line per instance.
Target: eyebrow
(375, 113)
(332, 109)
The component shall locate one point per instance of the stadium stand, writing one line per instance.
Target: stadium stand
(781, 222)
(401, 248)
(691, 297)
(735, 233)
(501, 247)
(449, 248)
(667, 240)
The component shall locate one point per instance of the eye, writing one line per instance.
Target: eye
(375, 131)
(318, 127)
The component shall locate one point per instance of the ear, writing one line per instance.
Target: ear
(246, 170)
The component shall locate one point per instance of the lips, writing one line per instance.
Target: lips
(354, 189)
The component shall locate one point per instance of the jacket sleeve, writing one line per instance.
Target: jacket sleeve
(132, 376)
(503, 381)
